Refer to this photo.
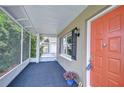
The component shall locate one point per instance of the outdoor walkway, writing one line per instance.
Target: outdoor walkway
(44, 74)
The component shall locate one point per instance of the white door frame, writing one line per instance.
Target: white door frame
(89, 37)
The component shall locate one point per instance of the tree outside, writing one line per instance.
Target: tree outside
(10, 43)
(33, 45)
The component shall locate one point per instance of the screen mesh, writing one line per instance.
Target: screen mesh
(10, 43)
(26, 36)
(33, 46)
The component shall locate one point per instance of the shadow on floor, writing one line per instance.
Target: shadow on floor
(43, 74)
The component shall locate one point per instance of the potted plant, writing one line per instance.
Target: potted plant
(69, 77)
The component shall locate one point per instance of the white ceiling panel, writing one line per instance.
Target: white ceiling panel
(16, 11)
(52, 19)
(45, 19)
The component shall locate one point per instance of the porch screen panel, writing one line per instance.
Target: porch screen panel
(10, 43)
(33, 46)
(26, 36)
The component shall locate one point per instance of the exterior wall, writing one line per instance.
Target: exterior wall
(9, 76)
(52, 48)
(80, 65)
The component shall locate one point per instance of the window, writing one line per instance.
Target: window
(67, 45)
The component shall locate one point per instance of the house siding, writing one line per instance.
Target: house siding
(80, 21)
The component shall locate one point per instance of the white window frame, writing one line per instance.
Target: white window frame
(65, 54)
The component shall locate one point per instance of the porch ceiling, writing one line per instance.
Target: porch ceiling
(49, 20)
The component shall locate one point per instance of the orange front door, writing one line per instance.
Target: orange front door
(107, 49)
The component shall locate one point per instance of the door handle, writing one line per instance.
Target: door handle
(89, 66)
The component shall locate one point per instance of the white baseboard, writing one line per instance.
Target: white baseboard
(33, 60)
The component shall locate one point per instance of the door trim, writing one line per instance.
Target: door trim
(89, 36)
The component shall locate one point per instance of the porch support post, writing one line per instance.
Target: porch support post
(21, 45)
(38, 49)
(30, 46)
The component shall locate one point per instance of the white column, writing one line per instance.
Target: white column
(21, 45)
(30, 46)
(38, 49)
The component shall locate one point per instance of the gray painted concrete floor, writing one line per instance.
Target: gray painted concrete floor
(43, 74)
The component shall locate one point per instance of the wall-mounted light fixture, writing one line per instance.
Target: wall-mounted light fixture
(77, 31)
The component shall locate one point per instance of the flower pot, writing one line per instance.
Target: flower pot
(70, 82)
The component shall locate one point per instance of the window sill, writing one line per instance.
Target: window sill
(67, 58)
